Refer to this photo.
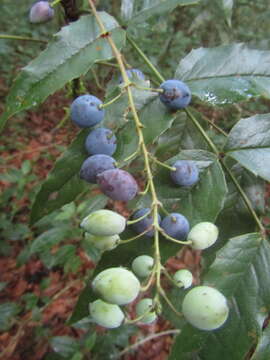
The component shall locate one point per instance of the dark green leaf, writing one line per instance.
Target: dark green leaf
(7, 312)
(249, 144)
(226, 74)
(71, 54)
(63, 183)
(262, 351)
(154, 7)
(49, 238)
(66, 346)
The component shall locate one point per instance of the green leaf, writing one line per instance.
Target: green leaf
(66, 346)
(204, 200)
(249, 144)
(239, 272)
(71, 54)
(127, 7)
(49, 238)
(226, 74)
(63, 183)
(155, 7)
(7, 312)
(262, 351)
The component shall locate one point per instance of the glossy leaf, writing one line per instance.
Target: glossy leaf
(71, 54)
(63, 183)
(239, 273)
(155, 7)
(249, 144)
(226, 74)
(262, 351)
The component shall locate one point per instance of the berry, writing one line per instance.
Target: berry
(41, 12)
(85, 111)
(117, 184)
(103, 243)
(104, 223)
(107, 315)
(117, 285)
(131, 73)
(101, 141)
(176, 94)
(142, 265)
(144, 307)
(145, 223)
(186, 173)
(205, 308)
(183, 278)
(95, 165)
(203, 235)
(176, 226)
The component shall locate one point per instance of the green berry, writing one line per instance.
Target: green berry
(183, 278)
(142, 265)
(103, 243)
(203, 235)
(107, 315)
(104, 223)
(144, 307)
(205, 308)
(117, 285)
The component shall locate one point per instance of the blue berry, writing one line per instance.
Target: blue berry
(133, 73)
(85, 111)
(186, 173)
(41, 12)
(101, 141)
(145, 223)
(176, 226)
(176, 95)
(117, 184)
(95, 165)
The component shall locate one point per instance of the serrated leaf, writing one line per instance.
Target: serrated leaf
(249, 144)
(155, 7)
(204, 200)
(63, 183)
(71, 54)
(239, 272)
(226, 74)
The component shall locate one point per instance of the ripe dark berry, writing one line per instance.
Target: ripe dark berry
(186, 173)
(95, 165)
(85, 111)
(176, 226)
(101, 141)
(176, 94)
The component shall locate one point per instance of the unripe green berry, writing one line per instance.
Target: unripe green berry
(103, 243)
(142, 265)
(144, 307)
(183, 278)
(117, 285)
(203, 235)
(104, 223)
(107, 315)
(205, 308)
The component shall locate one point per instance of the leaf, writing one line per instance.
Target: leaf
(201, 202)
(226, 74)
(249, 144)
(155, 7)
(262, 351)
(71, 54)
(7, 312)
(63, 183)
(127, 7)
(66, 346)
(49, 238)
(239, 272)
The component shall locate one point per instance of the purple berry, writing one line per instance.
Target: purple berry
(117, 184)
(85, 111)
(186, 173)
(176, 226)
(101, 141)
(145, 223)
(95, 165)
(40, 12)
(176, 95)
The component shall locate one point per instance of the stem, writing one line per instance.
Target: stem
(160, 91)
(168, 301)
(245, 198)
(111, 101)
(173, 239)
(149, 338)
(134, 237)
(161, 163)
(130, 222)
(23, 38)
(55, 2)
(145, 58)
